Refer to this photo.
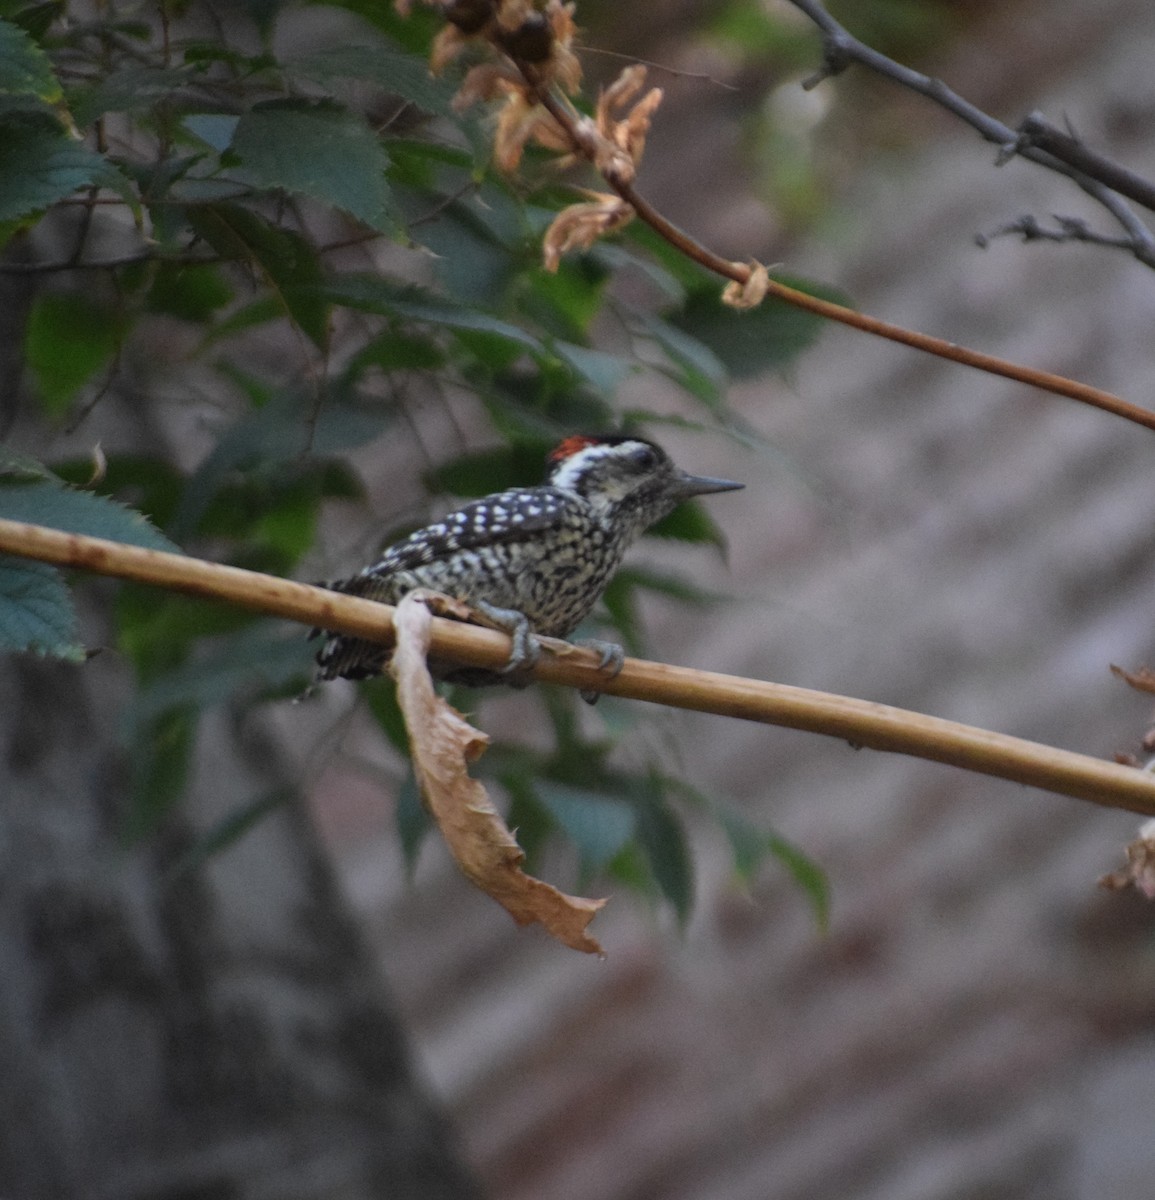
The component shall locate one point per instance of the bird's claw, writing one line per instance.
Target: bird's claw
(611, 658)
(526, 648)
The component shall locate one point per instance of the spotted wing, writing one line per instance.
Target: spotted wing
(505, 516)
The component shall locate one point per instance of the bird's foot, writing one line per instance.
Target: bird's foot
(611, 659)
(526, 646)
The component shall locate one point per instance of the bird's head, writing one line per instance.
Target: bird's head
(627, 476)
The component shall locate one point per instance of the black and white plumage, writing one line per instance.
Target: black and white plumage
(534, 560)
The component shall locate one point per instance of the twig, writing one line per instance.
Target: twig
(1069, 229)
(860, 722)
(1060, 385)
(1036, 140)
(1036, 130)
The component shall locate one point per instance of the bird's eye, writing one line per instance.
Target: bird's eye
(645, 457)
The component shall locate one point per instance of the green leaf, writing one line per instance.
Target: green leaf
(319, 150)
(517, 465)
(69, 338)
(663, 839)
(405, 75)
(216, 130)
(40, 164)
(286, 260)
(287, 428)
(749, 342)
(190, 291)
(599, 825)
(161, 758)
(368, 293)
(155, 629)
(696, 367)
(381, 696)
(666, 584)
(152, 486)
(15, 466)
(750, 848)
(75, 511)
(130, 89)
(24, 67)
(603, 372)
(690, 522)
(36, 612)
(35, 18)
(252, 661)
(413, 820)
(228, 831)
(393, 351)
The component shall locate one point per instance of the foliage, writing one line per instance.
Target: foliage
(326, 242)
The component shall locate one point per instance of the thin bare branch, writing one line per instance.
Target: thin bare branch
(1036, 140)
(1036, 130)
(1067, 229)
(1060, 385)
(859, 722)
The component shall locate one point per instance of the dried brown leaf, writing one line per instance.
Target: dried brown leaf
(1139, 871)
(442, 744)
(580, 225)
(752, 292)
(520, 122)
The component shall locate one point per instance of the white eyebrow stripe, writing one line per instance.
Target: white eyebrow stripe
(576, 465)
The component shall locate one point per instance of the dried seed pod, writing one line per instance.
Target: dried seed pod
(531, 41)
(470, 16)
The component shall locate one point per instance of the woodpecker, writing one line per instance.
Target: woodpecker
(531, 560)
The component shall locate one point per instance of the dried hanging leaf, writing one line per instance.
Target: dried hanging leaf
(580, 225)
(1140, 869)
(442, 744)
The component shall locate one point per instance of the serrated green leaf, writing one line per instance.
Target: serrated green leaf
(40, 164)
(149, 485)
(318, 150)
(68, 339)
(36, 612)
(24, 67)
(599, 825)
(21, 467)
(74, 511)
